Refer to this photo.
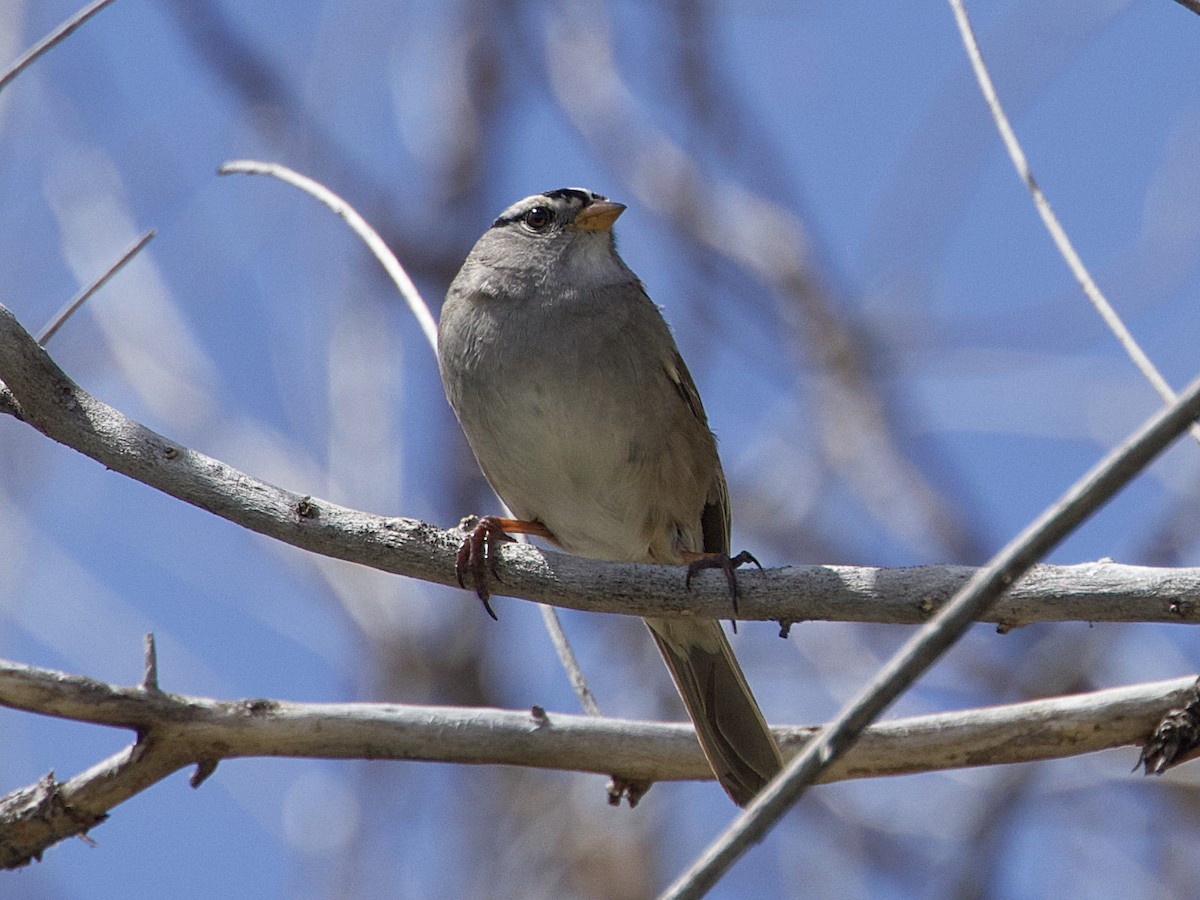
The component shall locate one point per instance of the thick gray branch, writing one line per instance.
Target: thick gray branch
(177, 731)
(56, 406)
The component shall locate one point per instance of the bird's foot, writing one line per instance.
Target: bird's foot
(727, 564)
(479, 553)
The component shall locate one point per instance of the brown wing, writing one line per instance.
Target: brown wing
(715, 520)
(729, 725)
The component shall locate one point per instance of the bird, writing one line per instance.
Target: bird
(580, 411)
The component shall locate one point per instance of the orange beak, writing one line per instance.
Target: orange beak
(599, 215)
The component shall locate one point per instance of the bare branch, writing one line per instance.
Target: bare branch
(177, 731)
(50, 41)
(922, 650)
(63, 411)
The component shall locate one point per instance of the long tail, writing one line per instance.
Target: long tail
(731, 728)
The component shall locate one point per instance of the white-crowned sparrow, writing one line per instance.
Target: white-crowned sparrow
(585, 420)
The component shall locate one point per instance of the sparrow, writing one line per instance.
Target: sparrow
(585, 420)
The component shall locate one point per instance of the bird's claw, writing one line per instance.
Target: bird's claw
(726, 564)
(478, 555)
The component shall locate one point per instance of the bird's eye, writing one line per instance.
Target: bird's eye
(539, 218)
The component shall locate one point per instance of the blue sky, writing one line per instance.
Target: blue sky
(256, 329)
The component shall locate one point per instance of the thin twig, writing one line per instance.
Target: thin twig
(1057, 233)
(60, 318)
(358, 225)
(51, 40)
(566, 657)
(922, 650)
